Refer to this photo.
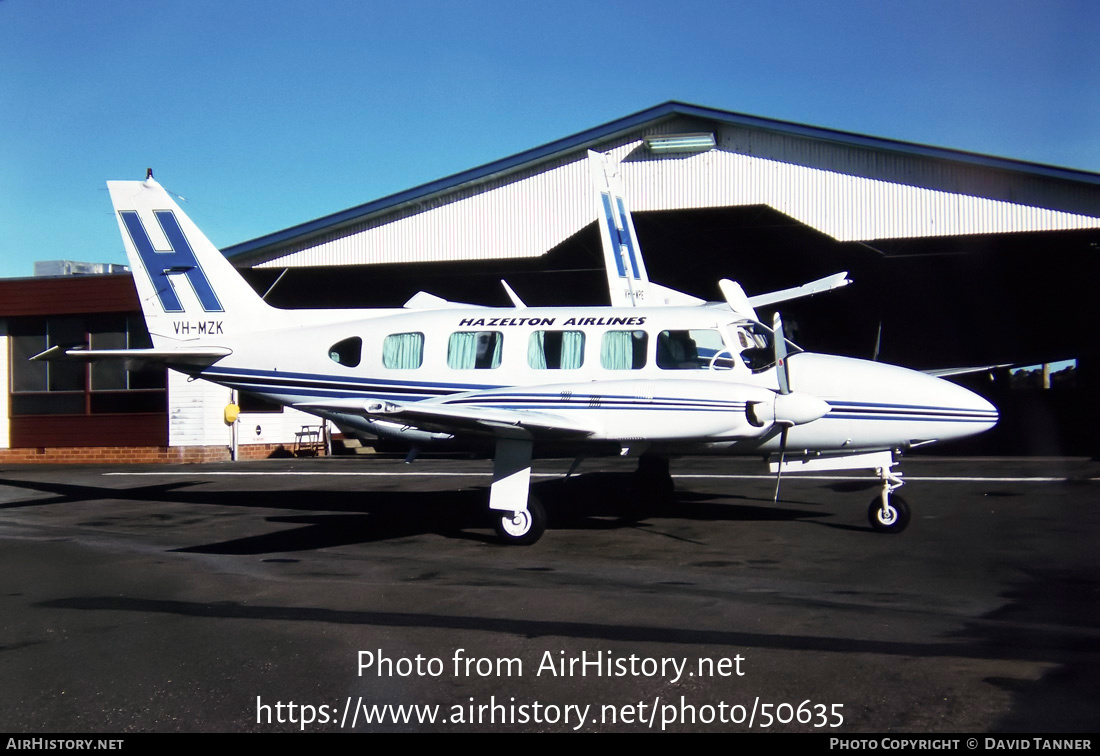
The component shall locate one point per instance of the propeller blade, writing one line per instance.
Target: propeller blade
(735, 297)
(780, 344)
(779, 469)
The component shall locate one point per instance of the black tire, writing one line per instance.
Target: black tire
(898, 507)
(521, 528)
(653, 483)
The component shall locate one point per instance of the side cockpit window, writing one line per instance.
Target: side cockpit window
(757, 344)
(347, 352)
(696, 349)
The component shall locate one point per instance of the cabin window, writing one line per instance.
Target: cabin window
(555, 350)
(697, 349)
(347, 352)
(403, 351)
(474, 350)
(624, 350)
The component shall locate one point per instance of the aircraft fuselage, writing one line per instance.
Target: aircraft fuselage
(690, 378)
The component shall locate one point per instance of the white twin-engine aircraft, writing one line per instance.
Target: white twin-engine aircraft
(657, 373)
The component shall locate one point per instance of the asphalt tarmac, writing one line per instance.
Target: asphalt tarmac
(335, 595)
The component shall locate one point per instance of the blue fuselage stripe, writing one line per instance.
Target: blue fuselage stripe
(312, 385)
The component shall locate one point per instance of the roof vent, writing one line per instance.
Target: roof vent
(667, 143)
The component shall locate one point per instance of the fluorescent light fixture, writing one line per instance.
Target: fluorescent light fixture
(681, 143)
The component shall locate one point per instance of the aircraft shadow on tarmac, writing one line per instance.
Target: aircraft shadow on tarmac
(594, 501)
(1051, 614)
(1048, 615)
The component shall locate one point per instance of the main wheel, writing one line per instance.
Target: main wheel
(521, 528)
(894, 519)
(653, 482)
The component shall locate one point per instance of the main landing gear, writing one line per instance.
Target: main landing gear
(521, 528)
(518, 517)
(653, 482)
(889, 513)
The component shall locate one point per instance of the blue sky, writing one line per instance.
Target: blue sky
(266, 114)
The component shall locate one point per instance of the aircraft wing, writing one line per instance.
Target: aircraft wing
(467, 418)
(828, 283)
(946, 372)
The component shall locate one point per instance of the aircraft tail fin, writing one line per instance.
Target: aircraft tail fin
(188, 291)
(627, 279)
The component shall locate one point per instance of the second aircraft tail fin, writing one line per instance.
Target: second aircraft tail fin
(627, 279)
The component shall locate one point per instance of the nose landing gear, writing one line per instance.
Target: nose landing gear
(889, 513)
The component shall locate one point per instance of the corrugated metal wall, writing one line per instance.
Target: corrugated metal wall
(194, 412)
(848, 192)
(844, 206)
(195, 417)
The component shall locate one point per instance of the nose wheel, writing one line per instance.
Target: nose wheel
(892, 517)
(889, 513)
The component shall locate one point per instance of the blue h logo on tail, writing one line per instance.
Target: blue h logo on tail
(620, 236)
(179, 259)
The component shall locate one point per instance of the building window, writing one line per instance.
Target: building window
(77, 387)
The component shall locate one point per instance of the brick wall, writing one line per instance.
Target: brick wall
(107, 455)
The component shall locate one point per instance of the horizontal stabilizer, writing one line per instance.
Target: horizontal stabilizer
(189, 356)
(828, 283)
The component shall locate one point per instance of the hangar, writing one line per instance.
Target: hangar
(958, 259)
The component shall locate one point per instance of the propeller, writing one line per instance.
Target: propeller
(780, 344)
(791, 408)
(788, 409)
